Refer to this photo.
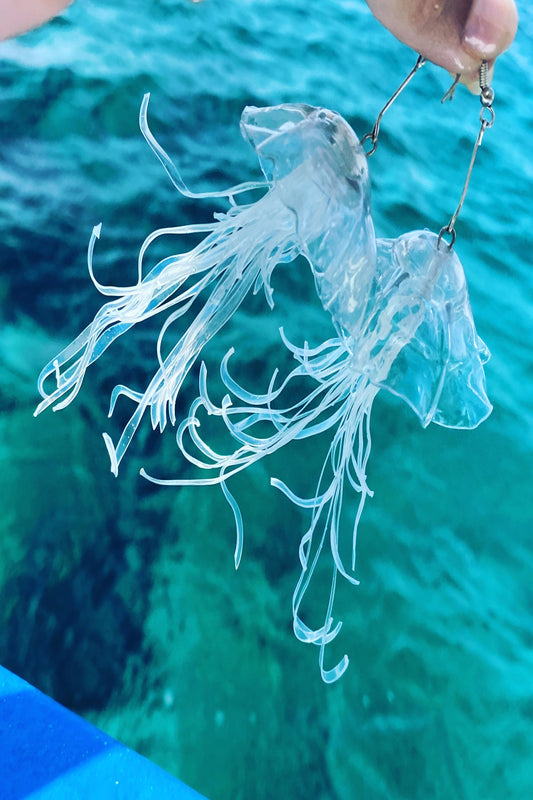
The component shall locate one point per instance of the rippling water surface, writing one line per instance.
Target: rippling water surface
(120, 598)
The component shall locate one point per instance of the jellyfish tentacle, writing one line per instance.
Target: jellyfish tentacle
(334, 673)
(239, 528)
(171, 169)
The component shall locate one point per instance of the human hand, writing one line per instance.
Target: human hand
(455, 34)
(19, 16)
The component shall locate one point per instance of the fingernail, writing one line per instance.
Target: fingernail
(490, 28)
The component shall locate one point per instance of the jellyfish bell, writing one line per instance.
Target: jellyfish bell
(321, 172)
(290, 136)
(420, 340)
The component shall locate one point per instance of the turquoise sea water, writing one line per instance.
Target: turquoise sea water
(120, 598)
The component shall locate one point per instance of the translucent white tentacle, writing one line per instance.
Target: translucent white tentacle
(337, 398)
(173, 172)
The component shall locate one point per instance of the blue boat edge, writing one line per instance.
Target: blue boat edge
(47, 751)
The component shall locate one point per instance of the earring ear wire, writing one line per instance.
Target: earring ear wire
(486, 118)
(372, 137)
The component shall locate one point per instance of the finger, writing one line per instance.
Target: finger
(454, 34)
(490, 28)
(20, 16)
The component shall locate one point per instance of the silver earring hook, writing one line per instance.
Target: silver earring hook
(373, 135)
(486, 118)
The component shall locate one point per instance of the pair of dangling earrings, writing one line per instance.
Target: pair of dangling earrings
(400, 309)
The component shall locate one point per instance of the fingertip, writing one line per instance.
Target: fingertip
(490, 28)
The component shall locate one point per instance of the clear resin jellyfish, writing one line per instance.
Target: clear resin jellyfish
(416, 338)
(316, 189)
(400, 308)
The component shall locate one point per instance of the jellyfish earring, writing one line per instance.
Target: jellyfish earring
(316, 180)
(428, 396)
(433, 393)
